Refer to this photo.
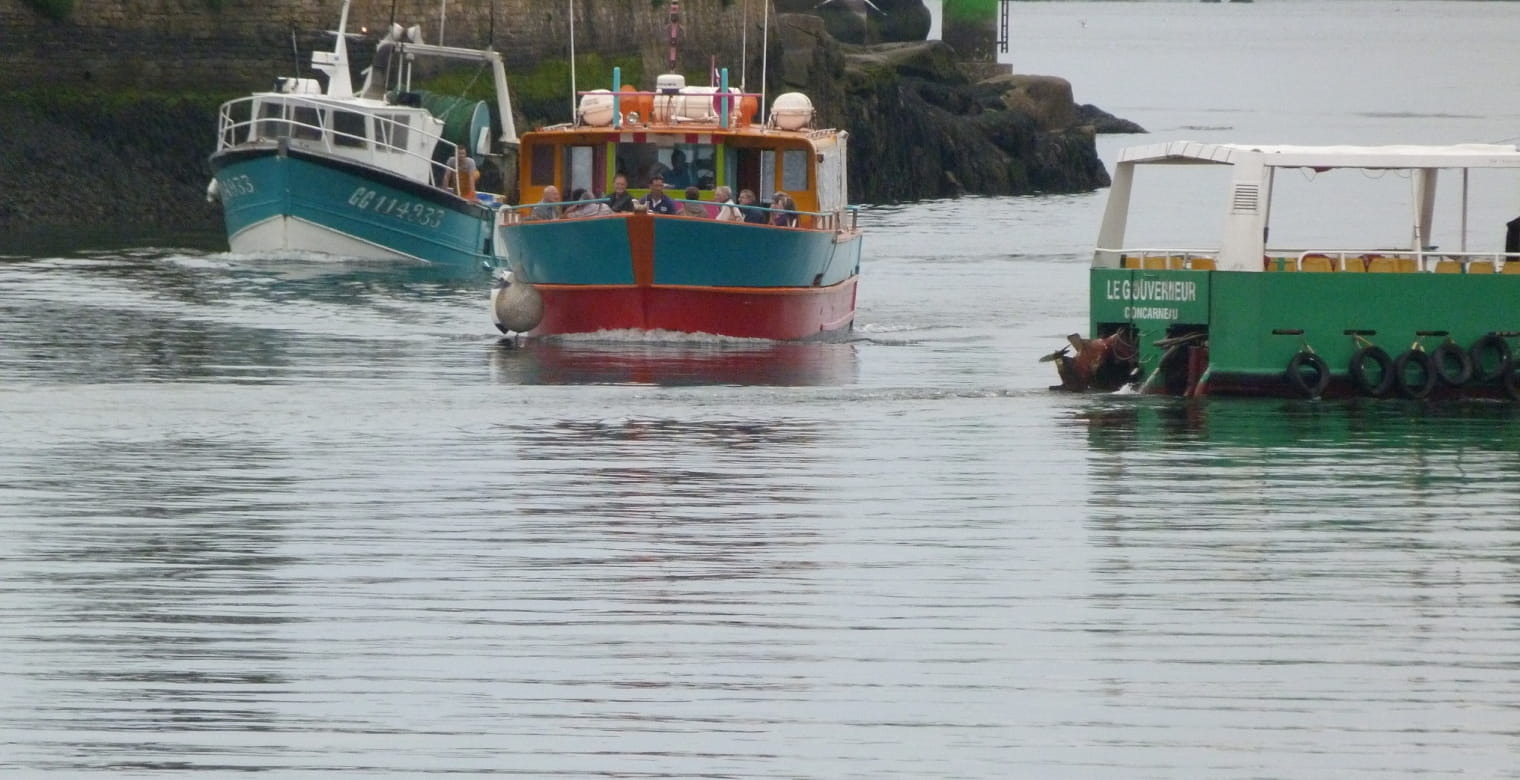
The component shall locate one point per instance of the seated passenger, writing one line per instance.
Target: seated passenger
(752, 215)
(585, 209)
(544, 209)
(693, 206)
(787, 217)
(620, 199)
(679, 174)
(657, 202)
(727, 212)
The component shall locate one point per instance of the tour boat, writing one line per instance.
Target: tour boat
(361, 175)
(643, 271)
(1277, 309)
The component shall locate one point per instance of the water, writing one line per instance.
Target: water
(306, 518)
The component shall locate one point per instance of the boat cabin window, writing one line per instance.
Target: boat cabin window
(271, 124)
(682, 164)
(308, 123)
(391, 132)
(541, 165)
(794, 167)
(767, 174)
(349, 129)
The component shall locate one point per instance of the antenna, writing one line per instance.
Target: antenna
(675, 32)
(570, 4)
(744, 47)
(295, 50)
(443, 15)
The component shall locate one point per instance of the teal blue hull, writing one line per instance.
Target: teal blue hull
(688, 275)
(294, 201)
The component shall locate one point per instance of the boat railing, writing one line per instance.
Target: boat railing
(1157, 259)
(1431, 260)
(840, 220)
(1323, 260)
(238, 125)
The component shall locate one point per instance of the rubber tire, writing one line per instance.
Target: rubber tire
(1443, 356)
(1500, 347)
(1401, 376)
(1358, 369)
(1510, 383)
(1295, 374)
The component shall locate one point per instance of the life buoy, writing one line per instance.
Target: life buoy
(1426, 367)
(1315, 364)
(1453, 366)
(1490, 350)
(1365, 382)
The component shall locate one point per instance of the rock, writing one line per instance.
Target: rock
(855, 21)
(1045, 99)
(1104, 122)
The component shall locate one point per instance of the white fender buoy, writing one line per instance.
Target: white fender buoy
(213, 191)
(516, 307)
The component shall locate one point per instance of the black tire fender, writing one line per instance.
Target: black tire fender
(1453, 366)
(1478, 353)
(1359, 376)
(1296, 369)
(1427, 367)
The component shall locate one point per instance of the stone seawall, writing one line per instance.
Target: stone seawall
(119, 99)
(238, 44)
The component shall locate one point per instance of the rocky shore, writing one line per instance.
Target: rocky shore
(922, 124)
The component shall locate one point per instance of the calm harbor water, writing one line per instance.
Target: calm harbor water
(299, 517)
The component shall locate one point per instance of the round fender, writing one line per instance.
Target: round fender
(1491, 358)
(1374, 381)
(1308, 374)
(1510, 381)
(1453, 366)
(1414, 374)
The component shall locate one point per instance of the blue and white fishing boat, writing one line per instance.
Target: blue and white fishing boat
(362, 174)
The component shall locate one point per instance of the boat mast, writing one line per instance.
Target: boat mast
(765, 50)
(570, 9)
(335, 63)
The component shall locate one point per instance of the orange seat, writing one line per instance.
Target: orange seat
(1129, 262)
(1481, 267)
(1448, 266)
(1155, 263)
(1281, 263)
(1316, 263)
(1407, 265)
(1202, 264)
(1377, 264)
(1511, 267)
(1354, 264)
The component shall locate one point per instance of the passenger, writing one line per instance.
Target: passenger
(679, 173)
(787, 217)
(621, 200)
(585, 209)
(693, 206)
(657, 201)
(463, 187)
(727, 212)
(752, 215)
(544, 209)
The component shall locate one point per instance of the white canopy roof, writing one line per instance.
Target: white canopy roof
(1275, 156)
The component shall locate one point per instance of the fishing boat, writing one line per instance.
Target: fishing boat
(1279, 306)
(786, 271)
(363, 174)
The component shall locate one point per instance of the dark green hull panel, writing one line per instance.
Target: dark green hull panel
(1254, 323)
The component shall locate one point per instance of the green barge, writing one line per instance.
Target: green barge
(1306, 314)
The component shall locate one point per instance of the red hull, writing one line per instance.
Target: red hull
(780, 314)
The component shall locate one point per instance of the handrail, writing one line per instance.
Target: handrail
(228, 130)
(834, 219)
